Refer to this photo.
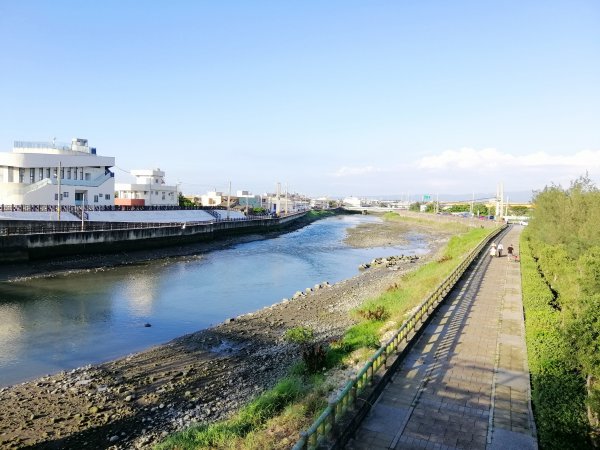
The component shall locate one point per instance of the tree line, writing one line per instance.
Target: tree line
(480, 209)
(561, 294)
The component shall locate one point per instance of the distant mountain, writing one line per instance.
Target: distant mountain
(513, 196)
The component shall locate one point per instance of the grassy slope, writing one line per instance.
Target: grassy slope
(274, 420)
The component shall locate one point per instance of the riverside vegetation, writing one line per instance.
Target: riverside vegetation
(560, 265)
(274, 419)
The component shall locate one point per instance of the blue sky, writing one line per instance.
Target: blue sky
(328, 97)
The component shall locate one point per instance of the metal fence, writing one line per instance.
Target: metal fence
(19, 228)
(325, 424)
(70, 208)
(71, 227)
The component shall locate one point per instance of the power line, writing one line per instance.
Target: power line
(123, 170)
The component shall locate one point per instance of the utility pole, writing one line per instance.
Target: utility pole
(497, 200)
(59, 187)
(82, 212)
(501, 213)
(472, 202)
(278, 205)
(228, 200)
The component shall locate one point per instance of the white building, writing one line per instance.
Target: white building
(353, 201)
(149, 189)
(320, 203)
(248, 199)
(38, 173)
(213, 198)
(283, 205)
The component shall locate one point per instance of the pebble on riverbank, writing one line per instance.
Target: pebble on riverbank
(390, 261)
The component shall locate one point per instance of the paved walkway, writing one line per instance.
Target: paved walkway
(465, 384)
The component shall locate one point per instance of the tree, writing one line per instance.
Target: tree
(415, 206)
(564, 238)
(481, 209)
(184, 202)
(519, 210)
(460, 208)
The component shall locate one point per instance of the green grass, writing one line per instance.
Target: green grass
(415, 286)
(428, 222)
(299, 335)
(250, 418)
(274, 420)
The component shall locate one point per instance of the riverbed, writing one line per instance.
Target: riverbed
(66, 319)
(205, 376)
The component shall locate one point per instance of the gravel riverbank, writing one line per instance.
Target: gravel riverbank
(202, 377)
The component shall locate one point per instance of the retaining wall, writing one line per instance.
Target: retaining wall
(24, 247)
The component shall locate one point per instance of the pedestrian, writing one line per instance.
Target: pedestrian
(493, 250)
(500, 248)
(510, 250)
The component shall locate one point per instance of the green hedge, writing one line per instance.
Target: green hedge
(558, 387)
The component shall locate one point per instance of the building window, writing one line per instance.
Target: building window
(32, 176)
(100, 195)
(48, 172)
(107, 196)
(95, 199)
(55, 197)
(69, 173)
(88, 176)
(81, 174)
(21, 175)
(163, 196)
(41, 173)
(65, 195)
(62, 173)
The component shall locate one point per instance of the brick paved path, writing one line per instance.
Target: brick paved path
(465, 384)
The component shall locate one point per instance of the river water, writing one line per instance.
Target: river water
(63, 321)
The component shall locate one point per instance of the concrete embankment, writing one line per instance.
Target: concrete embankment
(31, 246)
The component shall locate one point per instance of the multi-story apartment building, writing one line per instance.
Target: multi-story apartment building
(44, 173)
(149, 189)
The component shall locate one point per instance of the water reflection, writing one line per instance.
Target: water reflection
(64, 321)
(141, 291)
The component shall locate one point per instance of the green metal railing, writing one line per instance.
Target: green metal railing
(325, 424)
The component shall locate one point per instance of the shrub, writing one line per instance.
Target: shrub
(374, 313)
(315, 358)
(557, 387)
(299, 335)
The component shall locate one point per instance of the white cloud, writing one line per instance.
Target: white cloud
(466, 170)
(491, 159)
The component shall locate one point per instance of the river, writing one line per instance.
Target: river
(66, 320)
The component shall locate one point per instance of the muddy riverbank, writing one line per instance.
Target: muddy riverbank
(201, 377)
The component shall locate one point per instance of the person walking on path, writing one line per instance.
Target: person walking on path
(510, 250)
(493, 250)
(500, 248)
